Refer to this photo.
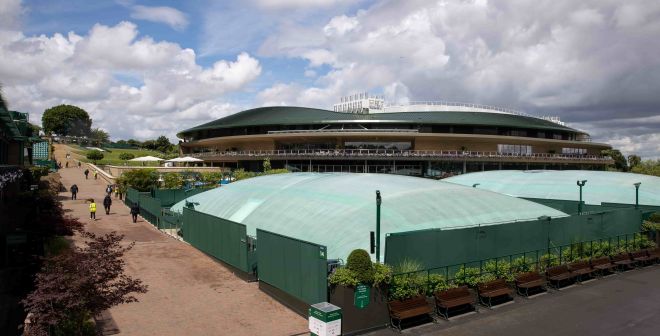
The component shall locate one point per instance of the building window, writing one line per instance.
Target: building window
(519, 133)
(575, 151)
(377, 145)
(514, 149)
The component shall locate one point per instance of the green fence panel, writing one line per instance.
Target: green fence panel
(132, 196)
(220, 238)
(150, 208)
(435, 248)
(296, 267)
(169, 197)
(170, 220)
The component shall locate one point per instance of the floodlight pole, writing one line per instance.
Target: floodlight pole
(637, 194)
(580, 184)
(378, 202)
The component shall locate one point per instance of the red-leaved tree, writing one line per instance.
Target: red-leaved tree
(80, 283)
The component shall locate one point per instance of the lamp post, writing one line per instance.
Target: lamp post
(637, 194)
(378, 202)
(546, 218)
(475, 185)
(580, 184)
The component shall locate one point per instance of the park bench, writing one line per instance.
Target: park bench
(557, 274)
(602, 265)
(490, 290)
(654, 254)
(453, 298)
(528, 281)
(582, 269)
(623, 261)
(641, 257)
(407, 309)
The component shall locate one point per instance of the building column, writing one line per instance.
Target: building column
(483, 167)
(464, 166)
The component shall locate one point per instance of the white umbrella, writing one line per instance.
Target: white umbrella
(185, 159)
(146, 159)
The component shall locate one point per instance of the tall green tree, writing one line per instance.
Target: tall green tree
(139, 179)
(3, 104)
(634, 160)
(163, 144)
(620, 162)
(648, 167)
(99, 136)
(66, 120)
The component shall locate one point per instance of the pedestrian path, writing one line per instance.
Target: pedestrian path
(189, 293)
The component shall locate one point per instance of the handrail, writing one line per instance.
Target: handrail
(358, 130)
(395, 153)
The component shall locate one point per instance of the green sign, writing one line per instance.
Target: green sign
(362, 296)
(322, 252)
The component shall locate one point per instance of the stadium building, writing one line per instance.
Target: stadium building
(364, 135)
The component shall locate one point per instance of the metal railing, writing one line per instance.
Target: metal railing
(474, 272)
(366, 153)
(356, 130)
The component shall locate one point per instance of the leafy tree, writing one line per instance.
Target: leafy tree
(3, 104)
(620, 162)
(134, 143)
(267, 166)
(149, 144)
(634, 160)
(139, 179)
(172, 180)
(94, 155)
(66, 120)
(648, 167)
(99, 136)
(35, 128)
(162, 144)
(80, 283)
(126, 156)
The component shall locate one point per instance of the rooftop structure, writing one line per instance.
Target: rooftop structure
(601, 186)
(339, 210)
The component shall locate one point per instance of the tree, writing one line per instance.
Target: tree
(3, 104)
(99, 136)
(94, 155)
(620, 162)
(648, 167)
(267, 166)
(66, 120)
(172, 180)
(134, 143)
(162, 144)
(126, 156)
(35, 129)
(139, 179)
(80, 283)
(634, 160)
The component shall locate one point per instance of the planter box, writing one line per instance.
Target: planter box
(356, 320)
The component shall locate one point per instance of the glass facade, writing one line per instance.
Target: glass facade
(577, 151)
(399, 145)
(514, 149)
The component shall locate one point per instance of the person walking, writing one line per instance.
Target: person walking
(92, 209)
(135, 211)
(116, 192)
(96, 175)
(107, 202)
(86, 172)
(78, 164)
(67, 164)
(74, 191)
(108, 189)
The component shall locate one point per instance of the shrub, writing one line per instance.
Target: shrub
(359, 262)
(437, 282)
(139, 179)
(522, 265)
(172, 180)
(382, 274)
(469, 276)
(94, 155)
(343, 276)
(498, 270)
(548, 260)
(405, 286)
(126, 156)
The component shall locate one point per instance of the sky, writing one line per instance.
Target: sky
(146, 68)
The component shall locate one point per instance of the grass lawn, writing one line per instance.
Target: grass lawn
(112, 157)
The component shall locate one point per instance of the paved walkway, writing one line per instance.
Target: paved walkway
(189, 293)
(624, 304)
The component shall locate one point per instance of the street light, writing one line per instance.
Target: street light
(637, 194)
(580, 184)
(379, 200)
(475, 185)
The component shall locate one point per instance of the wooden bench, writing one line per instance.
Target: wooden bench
(453, 298)
(413, 307)
(641, 257)
(582, 269)
(602, 265)
(654, 254)
(557, 274)
(623, 261)
(497, 288)
(530, 280)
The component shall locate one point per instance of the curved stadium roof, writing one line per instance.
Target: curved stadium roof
(602, 186)
(291, 115)
(339, 210)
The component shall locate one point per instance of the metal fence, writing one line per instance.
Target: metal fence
(150, 208)
(433, 248)
(507, 266)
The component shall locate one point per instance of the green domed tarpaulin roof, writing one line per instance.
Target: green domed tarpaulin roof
(601, 186)
(339, 210)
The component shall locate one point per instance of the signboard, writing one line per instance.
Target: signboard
(325, 319)
(362, 296)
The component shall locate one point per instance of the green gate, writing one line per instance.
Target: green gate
(220, 238)
(150, 208)
(296, 267)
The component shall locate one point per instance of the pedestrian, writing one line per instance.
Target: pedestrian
(135, 211)
(78, 164)
(107, 202)
(67, 164)
(96, 175)
(74, 191)
(116, 191)
(92, 209)
(108, 189)
(86, 172)
(59, 165)
(121, 192)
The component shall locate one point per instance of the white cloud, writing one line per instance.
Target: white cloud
(297, 4)
(11, 12)
(168, 15)
(169, 90)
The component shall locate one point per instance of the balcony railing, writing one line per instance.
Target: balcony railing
(380, 153)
